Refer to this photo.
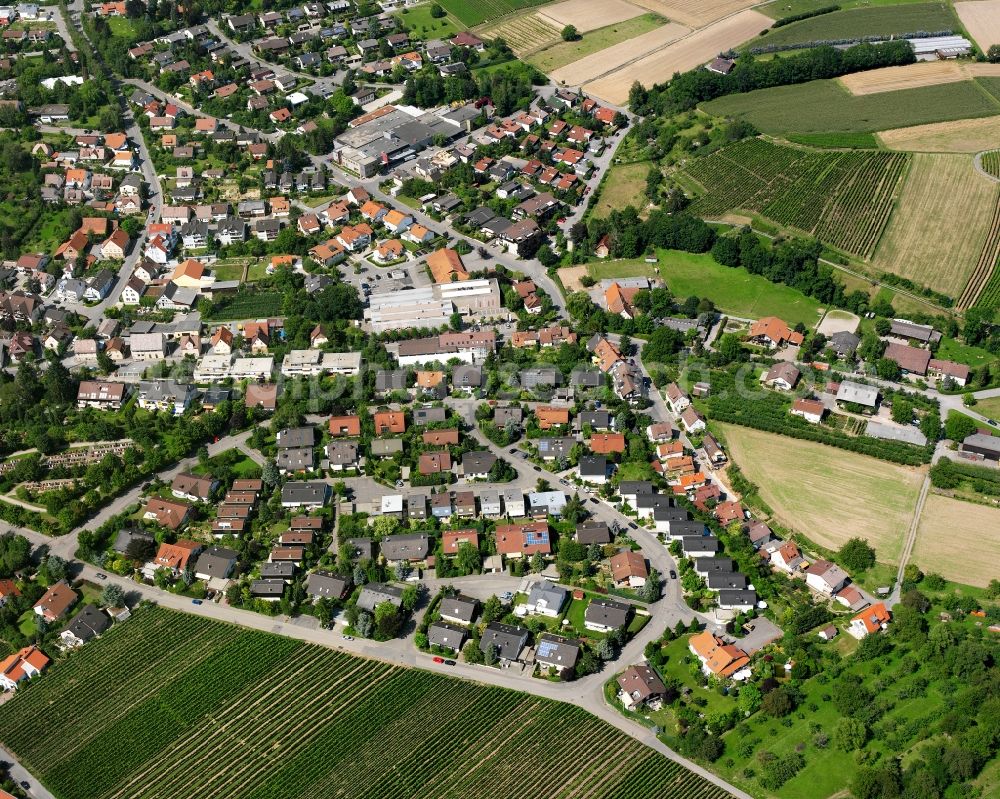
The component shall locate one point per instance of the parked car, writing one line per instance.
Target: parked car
(438, 659)
(449, 663)
(101, 576)
(195, 601)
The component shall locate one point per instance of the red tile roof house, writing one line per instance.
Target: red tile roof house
(523, 540)
(22, 665)
(55, 602)
(345, 425)
(628, 569)
(870, 620)
(389, 422)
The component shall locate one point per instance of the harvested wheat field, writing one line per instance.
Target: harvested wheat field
(697, 48)
(961, 136)
(942, 194)
(827, 494)
(699, 13)
(950, 531)
(611, 58)
(588, 15)
(913, 76)
(981, 19)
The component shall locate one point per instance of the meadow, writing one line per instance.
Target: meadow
(859, 22)
(844, 198)
(563, 53)
(823, 106)
(734, 291)
(942, 193)
(170, 704)
(826, 494)
(959, 540)
(419, 20)
(625, 184)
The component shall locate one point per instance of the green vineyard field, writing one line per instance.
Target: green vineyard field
(171, 705)
(480, 11)
(844, 198)
(991, 162)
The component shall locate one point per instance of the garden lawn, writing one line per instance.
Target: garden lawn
(823, 106)
(419, 20)
(734, 291)
(786, 8)
(953, 350)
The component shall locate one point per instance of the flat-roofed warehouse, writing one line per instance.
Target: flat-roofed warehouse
(433, 306)
(387, 138)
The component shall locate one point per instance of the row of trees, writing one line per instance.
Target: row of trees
(686, 90)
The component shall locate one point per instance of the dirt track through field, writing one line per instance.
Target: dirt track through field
(588, 15)
(687, 53)
(981, 19)
(698, 13)
(913, 76)
(618, 55)
(961, 136)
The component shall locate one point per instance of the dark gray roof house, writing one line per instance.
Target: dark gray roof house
(459, 609)
(844, 343)
(718, 581)
(363, 548)
(540, 376)
(553, 651)
(87, 624)
(308, 494)
(327, 585)
(478, 464)
(128, 535)
(507, 640)
(467, 376)
(414, 547)
(429, 415)
(606, 614)
(387, 380)
(598, 420)
(295, 437)
(374, 594)
(267, 589)
(386, 446)
(593, 466)
(277, 570)
(446, 636)
(593, 533)
(215, 562)
(709, 565)
(512, 414)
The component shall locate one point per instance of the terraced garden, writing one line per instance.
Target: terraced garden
(173, 705)
(843, 198)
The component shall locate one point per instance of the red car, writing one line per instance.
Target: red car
(438, 659)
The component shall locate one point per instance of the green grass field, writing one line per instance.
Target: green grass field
(988, 407)
(419, 20)
(625, 184)
(734, 291)
(823, 106)
(563, 53)
(786, 8)
(480, 11)
(213, 710)
(860, 22)
(248, 306)
(122, 27)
